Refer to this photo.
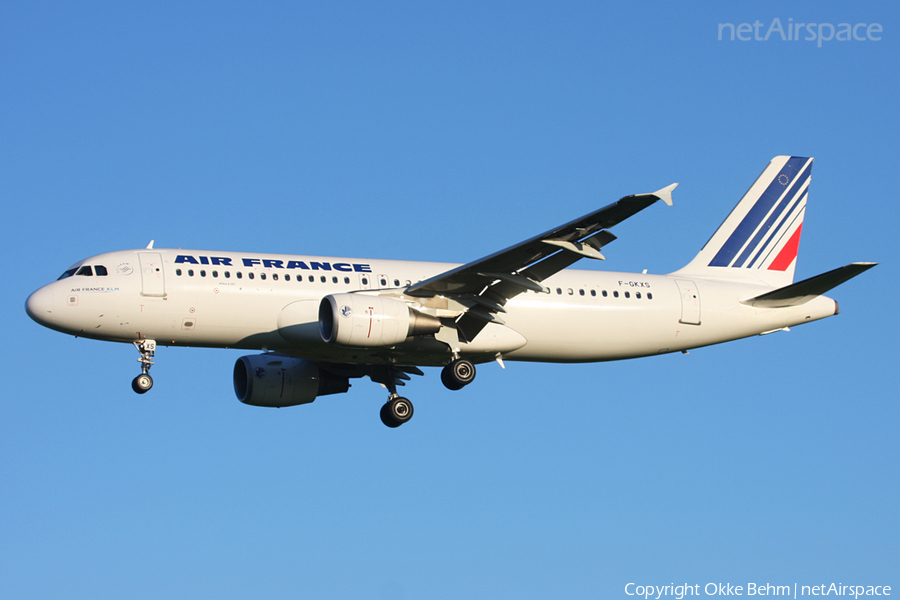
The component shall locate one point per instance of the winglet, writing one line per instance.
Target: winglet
(150, 245)
(665, 194)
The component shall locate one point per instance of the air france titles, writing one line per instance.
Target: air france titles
(271, 263)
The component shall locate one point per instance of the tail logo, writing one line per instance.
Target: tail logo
(765, 232)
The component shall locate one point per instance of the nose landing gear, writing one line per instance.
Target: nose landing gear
(143, 382)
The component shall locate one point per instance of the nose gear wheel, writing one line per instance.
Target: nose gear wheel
(143, 382)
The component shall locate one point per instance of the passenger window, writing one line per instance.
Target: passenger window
(262, 275)
(238, 275)
(227, 274)
(346, 280)
(250, 275)
(570, 291)
(396, 283)
(638, 295)
(615, 294)
(649, 296)
(627, 295)
(323, 279)
(202, 273)
(604, 293)
(178, 272)
(581, 292)
(86, 271)
(190, 272)
(100, 270)
(593, 292)
(365, 281)
(215, 273)
(274, 276)
(287, 277)
(334, 279)
(559, 291)
(312, 279)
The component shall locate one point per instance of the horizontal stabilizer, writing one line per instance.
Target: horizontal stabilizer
(804, 291)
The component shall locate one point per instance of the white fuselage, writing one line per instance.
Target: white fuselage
(260, 301)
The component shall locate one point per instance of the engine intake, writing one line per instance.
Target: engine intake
(274, 381)
(369, 321)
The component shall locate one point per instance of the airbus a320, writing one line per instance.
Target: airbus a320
(322, 321)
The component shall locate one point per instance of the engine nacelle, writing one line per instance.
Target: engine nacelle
(272, 380)
(363, 320)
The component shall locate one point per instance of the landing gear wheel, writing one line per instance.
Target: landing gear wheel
(396, 412)
(458, 374)
(142, 383)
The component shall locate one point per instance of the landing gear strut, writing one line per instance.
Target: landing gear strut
(397, 410)
(143, 382)
(458, 374)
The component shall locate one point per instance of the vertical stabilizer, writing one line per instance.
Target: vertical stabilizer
(758, 242)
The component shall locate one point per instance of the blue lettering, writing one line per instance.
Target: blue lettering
(297, 264)
(181, 258)
(273, 264)
(249, 262)
(217, 260)
(204, 260)
(316, 266)
(362, 268)
(342, 267)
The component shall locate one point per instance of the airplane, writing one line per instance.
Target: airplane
(322, 321)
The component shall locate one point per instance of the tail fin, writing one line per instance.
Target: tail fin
(758, 241)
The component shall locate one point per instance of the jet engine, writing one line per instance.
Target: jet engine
(363, 320)
(273, 380)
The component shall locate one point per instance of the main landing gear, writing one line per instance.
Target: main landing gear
(458, 374)
(398, 410)
(143, 382)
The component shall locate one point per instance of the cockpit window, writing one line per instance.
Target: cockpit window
(100, 270)
(68, 273)
(85, 270)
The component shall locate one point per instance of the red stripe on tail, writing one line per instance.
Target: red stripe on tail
(788, 253)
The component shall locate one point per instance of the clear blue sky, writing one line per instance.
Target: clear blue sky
(443, 131)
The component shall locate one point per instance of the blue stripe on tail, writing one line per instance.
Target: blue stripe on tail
(773, 218)
(761, 208)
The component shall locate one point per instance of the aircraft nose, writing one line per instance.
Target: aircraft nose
(39, 305)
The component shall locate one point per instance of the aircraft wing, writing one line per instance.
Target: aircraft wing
(486, 284)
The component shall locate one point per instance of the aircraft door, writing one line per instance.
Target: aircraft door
(152, 278)
(690, 302)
